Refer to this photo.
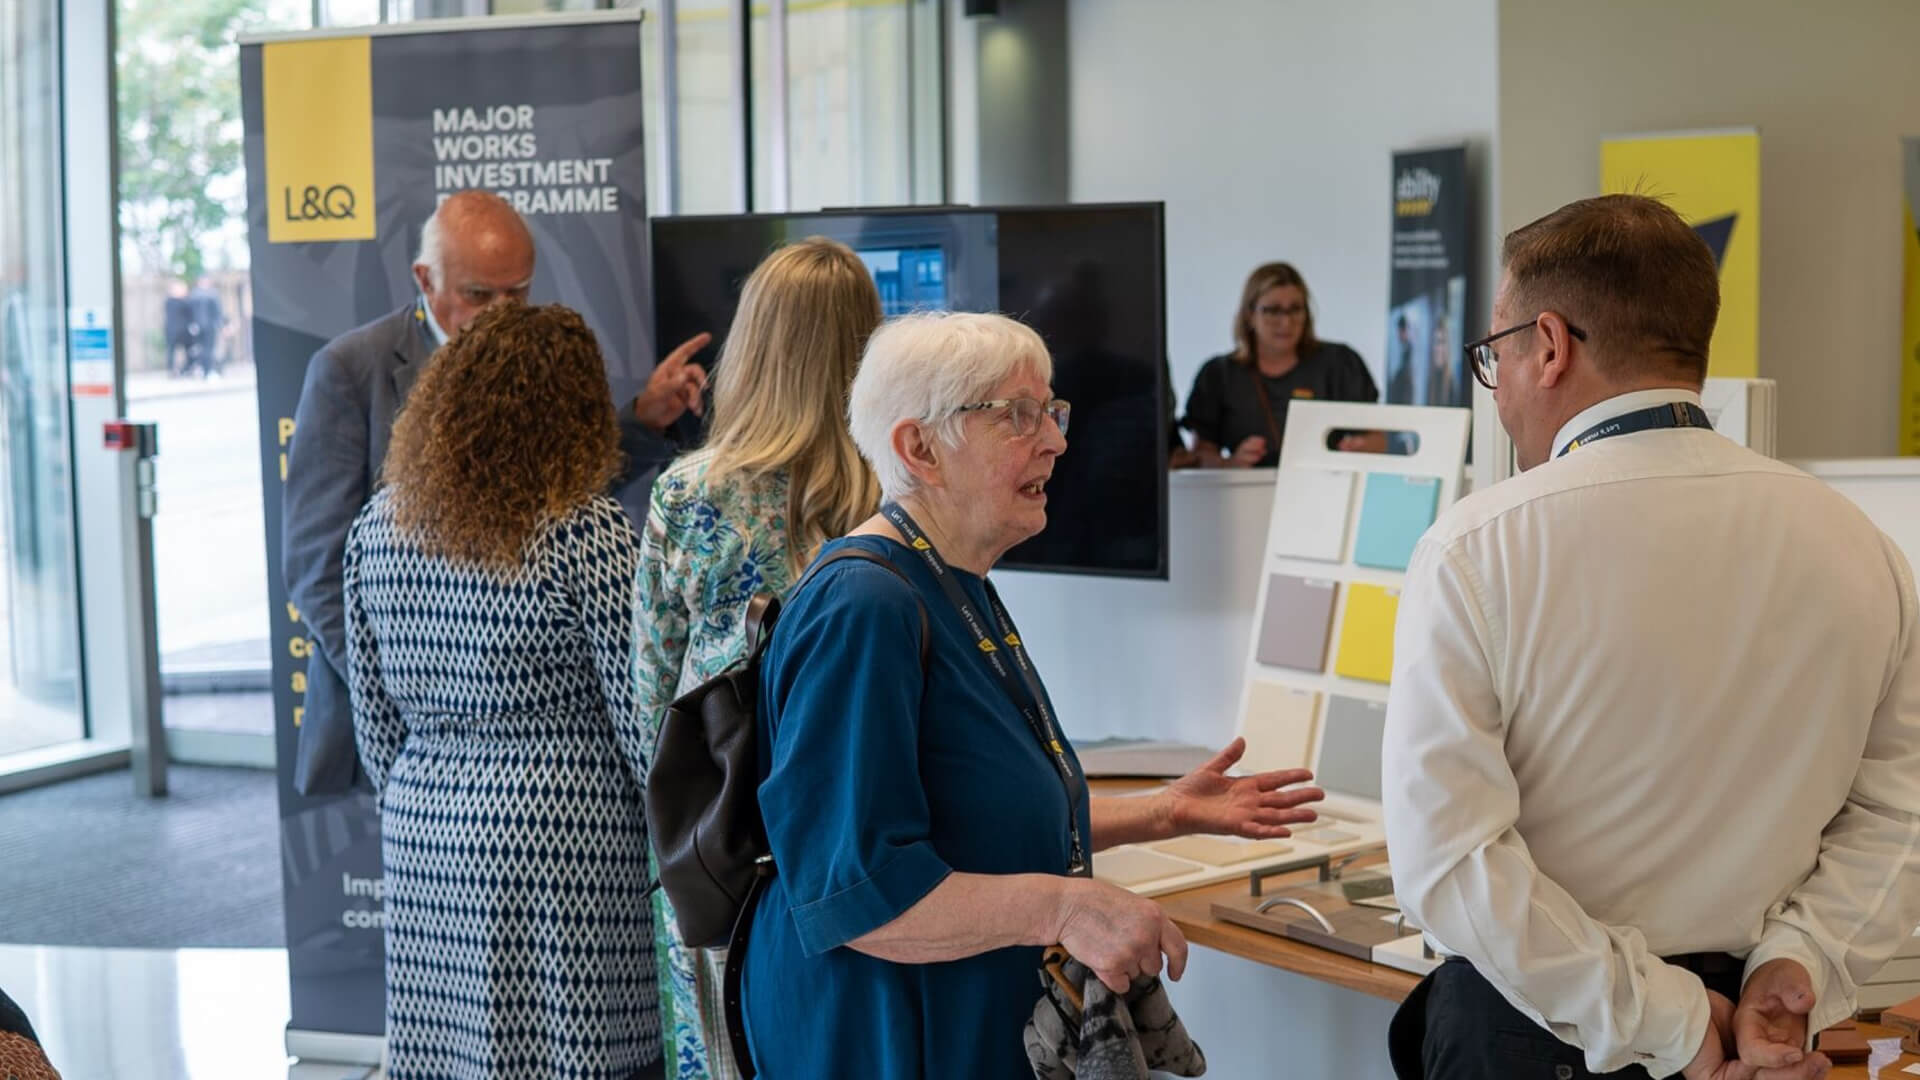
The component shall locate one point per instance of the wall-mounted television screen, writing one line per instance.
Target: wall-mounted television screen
(1089, 279)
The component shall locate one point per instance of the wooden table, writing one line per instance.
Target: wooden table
(1192, 912)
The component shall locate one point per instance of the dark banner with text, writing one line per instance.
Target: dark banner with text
(351, 142)
(1428, 305)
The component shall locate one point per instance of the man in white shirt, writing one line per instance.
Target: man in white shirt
(1653, 745)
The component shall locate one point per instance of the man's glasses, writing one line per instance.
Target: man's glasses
(1025, 412)
(1480, 353)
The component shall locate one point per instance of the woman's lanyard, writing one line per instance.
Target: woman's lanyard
(1680, 414)
(1024, 690)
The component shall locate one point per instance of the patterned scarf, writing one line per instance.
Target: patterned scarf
(1081, 1030)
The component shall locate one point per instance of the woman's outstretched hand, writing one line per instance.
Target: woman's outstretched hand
(1260, 806)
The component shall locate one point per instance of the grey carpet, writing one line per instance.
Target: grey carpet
(88, 863)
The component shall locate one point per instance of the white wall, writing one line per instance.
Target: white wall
(1267, 128)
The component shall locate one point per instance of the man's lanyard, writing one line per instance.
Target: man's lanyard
(1025, 689)
(1680, 414)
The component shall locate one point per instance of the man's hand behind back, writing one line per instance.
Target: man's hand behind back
(1770, 1023)
(1765, 1036)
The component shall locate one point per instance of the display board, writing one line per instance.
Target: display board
(1314, 694)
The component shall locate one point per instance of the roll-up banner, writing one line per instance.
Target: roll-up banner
(352, 139)
(1712, 179)
(1428, 301)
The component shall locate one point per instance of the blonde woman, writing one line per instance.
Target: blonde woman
(779, 477)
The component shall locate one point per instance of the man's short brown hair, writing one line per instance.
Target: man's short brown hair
(1627, 270)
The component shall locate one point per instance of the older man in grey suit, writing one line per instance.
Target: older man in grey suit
(475, 251)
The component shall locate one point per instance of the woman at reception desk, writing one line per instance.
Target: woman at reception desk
(1237, 409)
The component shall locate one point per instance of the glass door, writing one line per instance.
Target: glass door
(39, 604)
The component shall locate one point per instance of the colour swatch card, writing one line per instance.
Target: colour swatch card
(1305, 524)
(1366, 634)
(1297, 621)
(1394, 513)
(1278, 723)
(1350, 746)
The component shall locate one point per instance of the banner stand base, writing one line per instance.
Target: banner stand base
(333, 1047)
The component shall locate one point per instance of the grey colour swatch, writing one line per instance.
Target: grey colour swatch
(1350, 746)
(1296, 623)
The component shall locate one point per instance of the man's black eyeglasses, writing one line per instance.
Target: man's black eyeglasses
(1480, 353)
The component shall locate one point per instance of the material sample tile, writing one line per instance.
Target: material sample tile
(1330, 837)
(1350, 746)
(1278, 726)
(1222, 850)
(1395, 510)
(1366, 637)
(1310, 510)
(1296, 623)
(1129, 866)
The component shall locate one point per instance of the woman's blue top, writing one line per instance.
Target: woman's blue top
(877, 781)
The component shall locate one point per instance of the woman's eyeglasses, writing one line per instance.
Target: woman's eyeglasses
(1280, 311)
(1026, 412)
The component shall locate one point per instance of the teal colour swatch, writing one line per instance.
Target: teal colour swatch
(1394, 512)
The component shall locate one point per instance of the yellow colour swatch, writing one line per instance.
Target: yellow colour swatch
(1366, 637)
(316, 103)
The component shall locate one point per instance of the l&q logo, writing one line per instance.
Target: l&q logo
(335, 203)
(316, 109)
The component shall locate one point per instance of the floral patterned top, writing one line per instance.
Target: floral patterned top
(704, 554)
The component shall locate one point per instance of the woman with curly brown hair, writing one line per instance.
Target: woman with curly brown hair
(489, 612)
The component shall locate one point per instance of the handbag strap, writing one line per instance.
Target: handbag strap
(764, 609)
(1266, 406)
(730, 980)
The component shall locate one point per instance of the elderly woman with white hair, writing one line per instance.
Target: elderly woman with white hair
(930, 826)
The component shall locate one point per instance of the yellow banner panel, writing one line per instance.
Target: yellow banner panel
(317, 112)
(1713, 181)
(1910, 322)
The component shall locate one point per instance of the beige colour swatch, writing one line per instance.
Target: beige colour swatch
(1279, 726)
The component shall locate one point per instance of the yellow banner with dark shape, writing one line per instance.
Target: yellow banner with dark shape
(317, 114)
(1712, 179)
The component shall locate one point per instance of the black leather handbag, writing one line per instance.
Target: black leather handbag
(703, 803)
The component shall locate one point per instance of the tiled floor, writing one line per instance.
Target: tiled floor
(190, 1014)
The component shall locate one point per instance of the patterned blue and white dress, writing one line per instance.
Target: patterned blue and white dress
(495, 717)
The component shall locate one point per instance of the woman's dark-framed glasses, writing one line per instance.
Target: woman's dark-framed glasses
(1025, 412)
(1480, 353)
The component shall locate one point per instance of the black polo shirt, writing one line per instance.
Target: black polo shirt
(1224, 407)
